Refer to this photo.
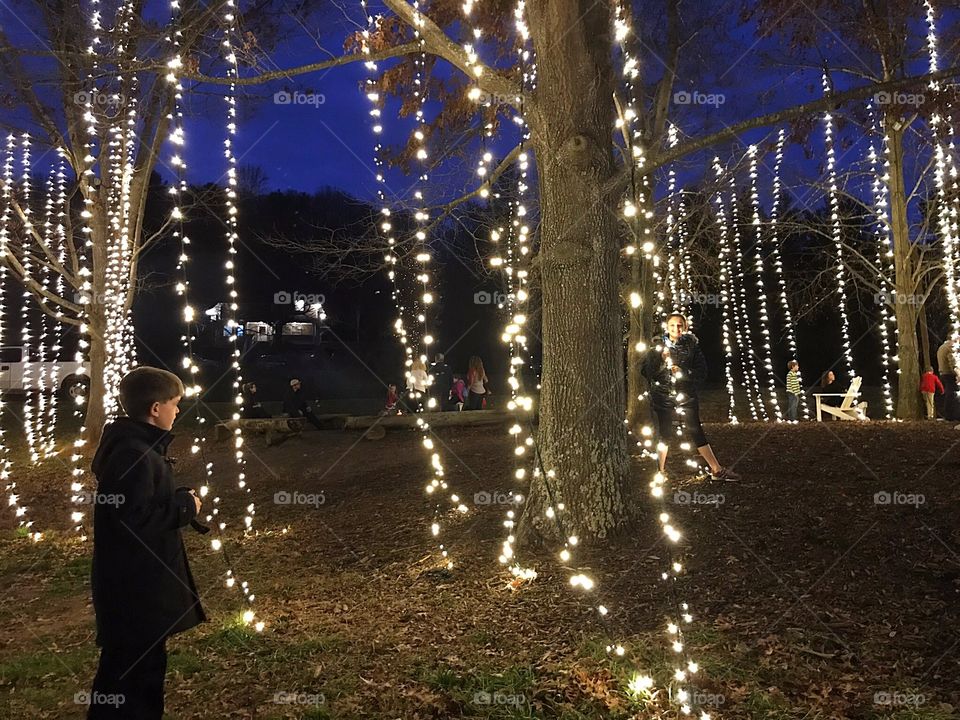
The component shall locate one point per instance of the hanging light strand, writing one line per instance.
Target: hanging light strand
(24, 524)
(437, 483)
(384, 223)
(836, 232)
(945, 176)
(761, 293)
(726, 297)
(230, 203)
(776, 257)
(514, 333)
(883, 256)
(741, 314)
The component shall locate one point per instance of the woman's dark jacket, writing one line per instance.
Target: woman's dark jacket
(143, 591)
(685, 353)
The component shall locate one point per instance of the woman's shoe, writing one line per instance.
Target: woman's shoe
(726, 474)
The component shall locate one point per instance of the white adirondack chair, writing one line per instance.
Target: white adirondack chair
(848, 409)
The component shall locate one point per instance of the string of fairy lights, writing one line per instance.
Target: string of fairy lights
(883, 255)
(945, 177)
(24, 524)
(437, 484)
(642, 685)
(26, 329)
(726, 272)
(192, 388)
(384, 224)
(836, 232)
(761, 294)
(229, 20)
(776, 258)
(741, 312)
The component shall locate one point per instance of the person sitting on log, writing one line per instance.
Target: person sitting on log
(295, 404)
(251, 403)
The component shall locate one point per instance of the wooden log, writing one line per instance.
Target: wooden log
(281, 425)
(469, 418)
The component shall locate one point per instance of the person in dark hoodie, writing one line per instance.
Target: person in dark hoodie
(295, 404)
(675, 368)
(252, 408)
(143, 591)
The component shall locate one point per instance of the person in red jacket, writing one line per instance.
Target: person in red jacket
(930, 383)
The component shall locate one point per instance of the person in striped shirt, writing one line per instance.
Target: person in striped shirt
(793, 389)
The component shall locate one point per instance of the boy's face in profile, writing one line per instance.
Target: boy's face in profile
(162, 414)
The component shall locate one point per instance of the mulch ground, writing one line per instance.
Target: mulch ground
(813, 597)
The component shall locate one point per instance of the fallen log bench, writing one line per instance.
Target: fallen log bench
(273, 429)
(375, 426)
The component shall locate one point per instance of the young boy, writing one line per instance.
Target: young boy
(143, 591)
(793, 389)
(930, 384)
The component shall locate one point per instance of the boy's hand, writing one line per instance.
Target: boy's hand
(196, 501)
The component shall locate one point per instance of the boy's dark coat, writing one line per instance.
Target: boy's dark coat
(142, 587)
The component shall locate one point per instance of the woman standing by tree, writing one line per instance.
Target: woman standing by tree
(675, 368)
(476, 384)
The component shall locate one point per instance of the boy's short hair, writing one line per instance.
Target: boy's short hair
(143, 386)
(792, 364)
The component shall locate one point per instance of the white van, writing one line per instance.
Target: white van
(73, 378)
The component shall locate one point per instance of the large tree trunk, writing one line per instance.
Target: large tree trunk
(924, 338)
(905, 287)
(97, 326)
(582, 436)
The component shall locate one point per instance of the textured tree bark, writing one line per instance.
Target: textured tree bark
(905, 284)
(97, 326)
(582, 436)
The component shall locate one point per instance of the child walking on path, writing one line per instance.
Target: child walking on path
(929, 384)
(793, 389)
(143, 591)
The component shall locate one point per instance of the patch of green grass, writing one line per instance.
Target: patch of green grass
(918, 713)
(765, 706)
(70, 578)
(233, 634)
(505, 695)
(184, 662)
(28, 668)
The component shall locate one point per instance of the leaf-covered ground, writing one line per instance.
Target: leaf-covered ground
(811, 598)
